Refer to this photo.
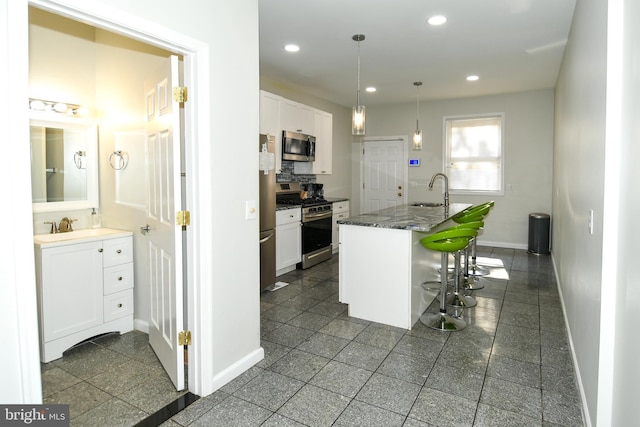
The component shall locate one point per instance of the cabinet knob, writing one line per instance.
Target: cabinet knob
(119, 305)
(100, 250)
(119, 251)
(120, 278)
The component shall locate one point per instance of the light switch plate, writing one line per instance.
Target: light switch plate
(251, 211)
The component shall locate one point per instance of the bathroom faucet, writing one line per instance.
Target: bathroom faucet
(65, 225)
(54, 226)
(446, 186)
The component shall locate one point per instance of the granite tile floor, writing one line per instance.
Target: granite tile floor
(510, 367)
(112, 380)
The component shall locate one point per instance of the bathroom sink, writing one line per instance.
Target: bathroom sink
(426, 204)
(75, 235)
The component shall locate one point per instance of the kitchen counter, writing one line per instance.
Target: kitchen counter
(407, 217)
(383, 264)
(285, 207)
(336, 199)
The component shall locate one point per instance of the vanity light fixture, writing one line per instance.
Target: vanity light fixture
(358, 117)
(57, 107)
(417, 135)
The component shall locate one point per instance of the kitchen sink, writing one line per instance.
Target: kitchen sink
(426, 204)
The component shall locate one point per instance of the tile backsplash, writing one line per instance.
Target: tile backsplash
(288, 174)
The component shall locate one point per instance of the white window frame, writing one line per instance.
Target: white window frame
(446, 161)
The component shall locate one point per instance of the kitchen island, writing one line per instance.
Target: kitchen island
(383, 264)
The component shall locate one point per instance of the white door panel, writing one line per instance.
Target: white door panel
(384, 172)
(164, 239)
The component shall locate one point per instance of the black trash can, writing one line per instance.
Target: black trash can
(539, 233)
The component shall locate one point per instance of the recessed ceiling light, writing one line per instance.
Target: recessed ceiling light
(292, 48)
(472, 78)
(371, 89)
(437, 20)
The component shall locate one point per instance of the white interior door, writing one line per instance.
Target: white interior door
(164, 237)
(384, 174)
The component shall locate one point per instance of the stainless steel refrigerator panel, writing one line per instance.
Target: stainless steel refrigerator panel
(267, 258)
(267, 210)
(267, 190)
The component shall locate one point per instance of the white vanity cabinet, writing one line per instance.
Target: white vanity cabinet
(288, 240)
(340, 212)
(84, 287)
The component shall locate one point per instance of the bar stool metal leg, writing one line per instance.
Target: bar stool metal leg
(476, 270)
(442, 320)
(471, 282)
(458, 299)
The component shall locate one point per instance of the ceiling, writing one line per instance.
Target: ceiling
(512, 45)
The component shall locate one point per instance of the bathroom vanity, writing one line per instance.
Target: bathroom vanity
(84, 284)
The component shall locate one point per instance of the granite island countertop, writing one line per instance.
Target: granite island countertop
(407, 217)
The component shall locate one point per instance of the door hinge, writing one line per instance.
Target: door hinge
(184, 337)
(180, 94)
(183, 218)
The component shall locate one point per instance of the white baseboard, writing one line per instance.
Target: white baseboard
(523, 246)
(237, 368)
(141, 325)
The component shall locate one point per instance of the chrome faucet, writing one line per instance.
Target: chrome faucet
(446, 186)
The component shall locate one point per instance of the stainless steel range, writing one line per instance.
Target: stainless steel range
(316, 219)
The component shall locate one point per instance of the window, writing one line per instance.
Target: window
(474, 153)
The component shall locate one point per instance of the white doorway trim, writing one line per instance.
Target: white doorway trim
(405, 160)
(196, 77)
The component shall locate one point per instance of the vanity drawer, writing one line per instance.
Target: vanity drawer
(117, 251)
(118, 305)
(118, 278)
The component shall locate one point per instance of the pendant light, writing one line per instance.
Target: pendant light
(417, 135)
(358, 117)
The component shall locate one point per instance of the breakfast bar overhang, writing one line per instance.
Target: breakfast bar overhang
(383, 265)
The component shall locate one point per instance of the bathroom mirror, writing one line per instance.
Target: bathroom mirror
(64, 166)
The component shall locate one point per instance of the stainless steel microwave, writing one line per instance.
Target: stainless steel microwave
(298, 147)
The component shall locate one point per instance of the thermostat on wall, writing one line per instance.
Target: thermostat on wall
(414, 162)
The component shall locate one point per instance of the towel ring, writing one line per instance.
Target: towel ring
(118, 160)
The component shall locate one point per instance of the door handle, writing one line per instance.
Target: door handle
(266, 238)
(145, 230)
(399, 194)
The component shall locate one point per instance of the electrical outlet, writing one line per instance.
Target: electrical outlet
(590, 221)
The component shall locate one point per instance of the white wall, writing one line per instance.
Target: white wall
(626, 348)
(528, 155)
(579, 186)
(595, 156)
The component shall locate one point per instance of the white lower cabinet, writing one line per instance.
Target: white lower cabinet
(340, 212)
(288, 240)
(85, 288)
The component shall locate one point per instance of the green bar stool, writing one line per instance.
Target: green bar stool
(446, 241)
(474, 213)
(458, 299)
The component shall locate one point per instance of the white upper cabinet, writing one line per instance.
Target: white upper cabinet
(278, 114)
(270, 122)
(296, 117)
(324, 142)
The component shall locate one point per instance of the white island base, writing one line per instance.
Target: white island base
(381, 274)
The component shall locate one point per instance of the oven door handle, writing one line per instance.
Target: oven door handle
(315, 217)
